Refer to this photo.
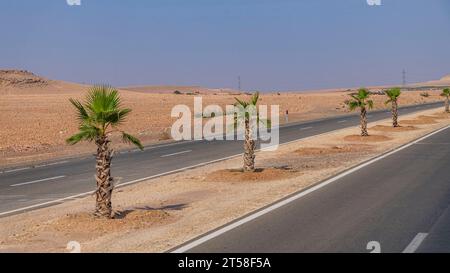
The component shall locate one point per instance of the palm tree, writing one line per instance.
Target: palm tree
(446, 94)
(361, 100)
(99, 116)
(245, 113)
(393, 95)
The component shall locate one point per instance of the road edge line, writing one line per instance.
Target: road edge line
(282, 202)
(415, 243)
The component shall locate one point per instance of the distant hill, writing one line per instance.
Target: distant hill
(444, 81)
(22, 82)
(170, 89)
(21, 78)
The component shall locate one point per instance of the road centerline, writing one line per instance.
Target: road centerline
(177, 153)
(16, 170)
(37, 181)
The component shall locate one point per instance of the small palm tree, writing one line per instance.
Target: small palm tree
(99, 116)
(446, 93)
(361, 100)
(245, 113)
(393, 95)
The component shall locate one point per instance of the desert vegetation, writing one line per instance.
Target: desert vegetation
(393, 95)
(99, 116)
(246, 111)
(362, 101)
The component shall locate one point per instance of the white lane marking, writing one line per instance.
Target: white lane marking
(51, 164)
(72, 197)
(37, 166)
(342, 121)
(306, 128)
(16, 170)
(443, 143)
(178, 153)
(284, 202)
(37, 181)
(415, 243)
(11, 196)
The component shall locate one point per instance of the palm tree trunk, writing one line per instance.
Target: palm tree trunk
(447, 105)
(249, 148)
(103, 207)
(363, 119)
(394, 113)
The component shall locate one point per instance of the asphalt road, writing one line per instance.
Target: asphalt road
(30, 187)
(401, 201)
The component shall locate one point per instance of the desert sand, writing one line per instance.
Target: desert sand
(36, 116)
(159, 214)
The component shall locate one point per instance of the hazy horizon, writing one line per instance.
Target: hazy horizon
(272, 45)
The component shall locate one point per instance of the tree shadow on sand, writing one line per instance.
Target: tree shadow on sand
(174, 207)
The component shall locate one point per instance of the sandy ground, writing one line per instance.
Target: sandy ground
(36, 116)
(159, 214)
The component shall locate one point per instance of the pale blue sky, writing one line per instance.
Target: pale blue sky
(271, 44)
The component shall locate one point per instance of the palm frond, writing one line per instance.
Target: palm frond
(241, 103)
(116, 117)
(102, 99)
(363, 93)
(352, 105)
(356, 98)
(255, 98)
(393, 93)
(127, 138)
(86, 132)
(81, 111)
(101, 109)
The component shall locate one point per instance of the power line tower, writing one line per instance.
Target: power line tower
(404, 77)
(239, 83)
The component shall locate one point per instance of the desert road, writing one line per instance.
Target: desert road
(26, 188)
(399, 203)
